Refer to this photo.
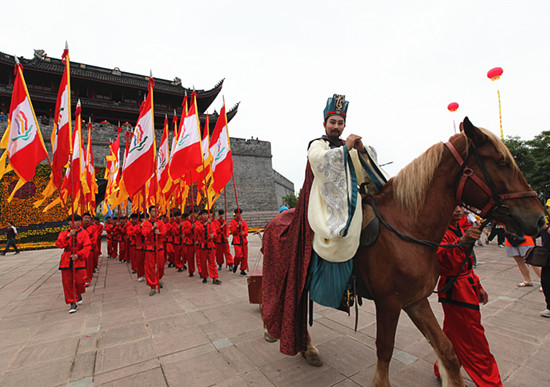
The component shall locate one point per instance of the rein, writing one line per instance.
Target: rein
(409, 238)
(494, 203)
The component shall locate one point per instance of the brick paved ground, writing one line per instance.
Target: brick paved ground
(196, 334)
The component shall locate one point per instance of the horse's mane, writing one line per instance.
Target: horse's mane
(412, 182)
(500, 147)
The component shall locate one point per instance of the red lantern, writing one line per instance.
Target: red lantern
(494, 74)
(453, 107)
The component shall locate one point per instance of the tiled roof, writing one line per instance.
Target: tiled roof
(112, 76)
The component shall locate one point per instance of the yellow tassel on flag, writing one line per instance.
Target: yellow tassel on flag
(49, 190)
(3, 167)
(19, 184)
(54, 203)
(5, 138)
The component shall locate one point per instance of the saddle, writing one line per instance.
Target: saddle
(370, 226)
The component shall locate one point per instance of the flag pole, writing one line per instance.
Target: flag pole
(156, 193)
(179, 201)
(225, 204)
(205, 188)
(73, 244)
(232, 174)
(192, 191)
(68, 67)
(235, 188)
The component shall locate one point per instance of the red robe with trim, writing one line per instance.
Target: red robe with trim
(236, 230)
(462, 322)
(149, 235)
(223, 233)
(287, 246)
(187, 232)
(202, 235)
(82, 247)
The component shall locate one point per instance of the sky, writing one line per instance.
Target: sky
(399, 63)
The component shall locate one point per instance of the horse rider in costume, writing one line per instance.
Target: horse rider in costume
(335, 213)
(318, 240)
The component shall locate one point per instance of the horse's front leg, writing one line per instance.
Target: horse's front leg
(387, 316)
(311, 354)
(449, 367)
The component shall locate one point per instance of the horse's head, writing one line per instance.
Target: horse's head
(498, 188)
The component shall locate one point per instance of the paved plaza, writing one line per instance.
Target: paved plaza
(194, 334)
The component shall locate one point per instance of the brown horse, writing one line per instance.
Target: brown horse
(419, 202)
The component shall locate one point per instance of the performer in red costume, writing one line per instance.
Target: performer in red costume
(92, 234)
(140, 249)
(154, 231)
(122, 253)
(131, 241)
(99, 231)
(195, 222)
(222, 242)
(239, 230)
(176, 241)
(117, 237)
(462, 322)
(169, 241)
(109, 230)
(205, 232)
(188, 244)
(76, 246)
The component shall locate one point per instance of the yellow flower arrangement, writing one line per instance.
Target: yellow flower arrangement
(37, 229)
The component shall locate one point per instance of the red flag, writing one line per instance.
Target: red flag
(112, 172)
(222, 163)
(188, 154)
(175, 138)
(22, 139)
(139, 165)
(151, 188)
(90, 173)
(61, 134)
(76, 173)
(163, 157)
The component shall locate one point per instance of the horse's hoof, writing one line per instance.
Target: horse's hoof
(313, 358)
(269, 338)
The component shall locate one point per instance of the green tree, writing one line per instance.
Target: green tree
(522, 154)
(290, 200)
(540, 152)
(533, 158)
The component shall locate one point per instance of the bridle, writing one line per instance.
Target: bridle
(495, 199)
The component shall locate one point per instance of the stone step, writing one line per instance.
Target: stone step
(259, 219)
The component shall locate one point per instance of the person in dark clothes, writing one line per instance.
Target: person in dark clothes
(545, 274)
(498, 231)
(11, 236)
